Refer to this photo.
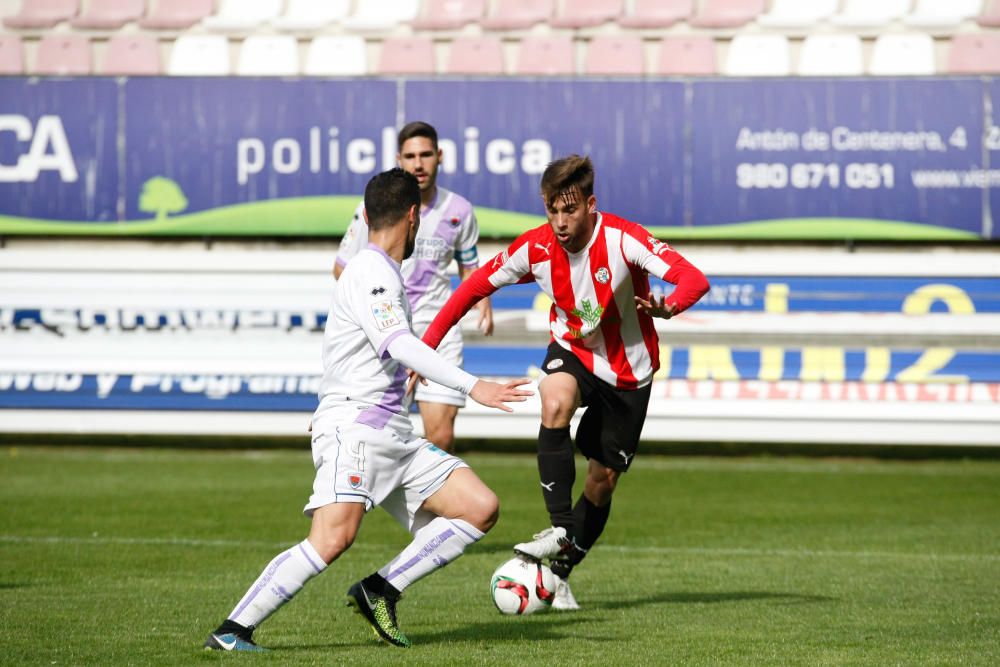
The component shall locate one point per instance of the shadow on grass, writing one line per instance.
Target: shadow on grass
(708, 598)
(5, 586)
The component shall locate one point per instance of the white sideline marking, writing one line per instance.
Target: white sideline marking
(699, 551)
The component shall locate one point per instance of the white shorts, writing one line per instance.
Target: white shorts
(451, 349)
(358, 464)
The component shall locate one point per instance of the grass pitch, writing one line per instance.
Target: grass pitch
(112, 557)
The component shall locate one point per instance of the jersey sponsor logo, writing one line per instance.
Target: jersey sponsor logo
(385, 316)
(589, 313)
(658, 247)
(500, 260)
(602, 275)
(554, 364)
(355, 479)
(378, 290)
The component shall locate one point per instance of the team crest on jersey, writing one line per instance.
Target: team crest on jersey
(355, 479)
(455, 222)
(602, 275)
(385, 316)
(554, 364)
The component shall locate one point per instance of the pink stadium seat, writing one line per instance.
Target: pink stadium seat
(546, 56)
(11, 55)
(727, 13)
(176, 14)
(449, 14)
(109, 14)
(610, 55)
(586, 13)
(692, 56)
(132, 55)
(407, 55)
(43, 13)
(63, 55)
(974, 53)
(475, 55)
(517, 14)
(656, 13)
(990, 18)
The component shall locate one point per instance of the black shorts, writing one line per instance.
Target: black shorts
(612, 422)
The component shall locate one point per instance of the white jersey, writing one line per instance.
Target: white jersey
(448, 230)
(361, 382)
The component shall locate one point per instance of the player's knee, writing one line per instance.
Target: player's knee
(601, 485)
(483, 509)
(330, 544)
(557, 411)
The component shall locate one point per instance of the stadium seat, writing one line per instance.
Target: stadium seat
(692, 56)
(656, 13)
(870, 13)
(407, 55)
(611, 55)
(42, 13)
(517, 14)
(268, 55)
(758, 55)
(974, 53)
(449, 14)
(831, 55)
(545, 56)
(243, 15)
(199, 55)
(990, 17)
(109, 14)
(796, 14)
(942, 14)
(340, 55)
(63, 55)
(176, 14)
(11, 55)
(903, 54)
(475, 55)
(726, 13)
(306, 15)
(586, 13)
(380, 15)
(132, 55)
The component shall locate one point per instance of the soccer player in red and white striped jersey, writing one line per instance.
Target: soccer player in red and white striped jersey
(603, 353)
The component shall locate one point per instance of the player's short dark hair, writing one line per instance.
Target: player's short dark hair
(389, 196)
(417, 128)
(567, 173)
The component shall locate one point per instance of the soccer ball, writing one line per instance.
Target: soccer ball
(522, 586)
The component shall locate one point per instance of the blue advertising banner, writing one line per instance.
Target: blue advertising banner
(502, 134)
(716, 159)
(817, 154)
(58, 158)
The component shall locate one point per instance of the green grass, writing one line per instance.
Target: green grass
(330, 216)
(115, 556)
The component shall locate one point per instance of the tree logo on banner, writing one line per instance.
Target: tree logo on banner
(162, 196)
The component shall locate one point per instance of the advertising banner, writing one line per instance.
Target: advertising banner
(716, 159)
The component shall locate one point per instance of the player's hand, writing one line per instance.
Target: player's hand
(411, 383)
(485, 317)
(656, 308)
(495, 395)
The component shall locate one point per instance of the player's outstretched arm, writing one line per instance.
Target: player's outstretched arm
(496, 395)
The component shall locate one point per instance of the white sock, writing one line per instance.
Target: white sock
(278, 583)
(434, 546)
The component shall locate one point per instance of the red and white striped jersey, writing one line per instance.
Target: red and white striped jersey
(593, 313)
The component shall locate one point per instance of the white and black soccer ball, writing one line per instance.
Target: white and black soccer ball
(522, 586)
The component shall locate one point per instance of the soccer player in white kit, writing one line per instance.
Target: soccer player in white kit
(362, 442)
(448, 232)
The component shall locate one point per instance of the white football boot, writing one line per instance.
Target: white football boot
(564, 600)
(550, 543)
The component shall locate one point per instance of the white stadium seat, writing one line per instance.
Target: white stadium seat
(381, 15)
(758, 55)
(942, 14)
(200, 55)
(305, 15)
(870, 13)
(337, 55)
(903, 55)
(269, 55)
(831, 55)
(791, 14)
(243, 15)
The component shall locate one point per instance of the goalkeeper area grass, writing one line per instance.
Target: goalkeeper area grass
(132, 556)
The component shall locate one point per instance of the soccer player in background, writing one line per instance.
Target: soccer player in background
(362, 443)
(603, 351)
(448, 231)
